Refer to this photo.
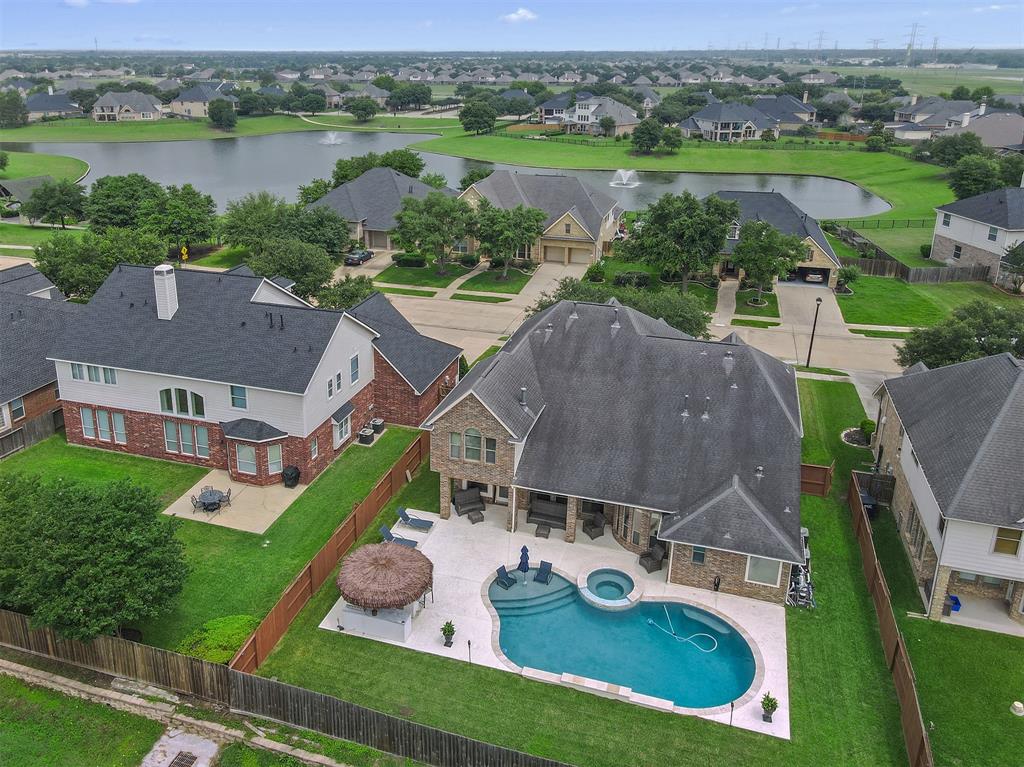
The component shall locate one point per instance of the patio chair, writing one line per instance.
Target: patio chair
(653, 559)
(468, 500)
(543, 573)
(593, 525)
(414, 522)
(505, 580)
(226, 498)
(389, 537)
(206, 487)
(196, 505)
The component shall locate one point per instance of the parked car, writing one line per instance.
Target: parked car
(814, 276)
(358, 257)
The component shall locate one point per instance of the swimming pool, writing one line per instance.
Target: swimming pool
(664, 649)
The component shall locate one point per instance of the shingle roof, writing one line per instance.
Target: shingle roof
(251, 430)
(777, 209)
(1003, 208)
(784, 108)
(375, 197)
(204, 93)
(604, 419)
(622, 114)
(25, 279)
(134, 100)
(44, 102)
(963, 422)
(21, 189)
(995, 129)
(735, 111)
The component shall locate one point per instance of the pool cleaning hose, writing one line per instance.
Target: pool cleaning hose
(672, 633)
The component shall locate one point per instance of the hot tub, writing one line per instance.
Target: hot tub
(608, 588)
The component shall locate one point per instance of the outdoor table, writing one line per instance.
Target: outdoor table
(211, 499)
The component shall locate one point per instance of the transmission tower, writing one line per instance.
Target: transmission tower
(914, 29)
(874, 42)
(821, 37)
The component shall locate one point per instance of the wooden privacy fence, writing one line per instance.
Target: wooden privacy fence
(816, 480)
(257, 647)
(884, 223)
(915, 735)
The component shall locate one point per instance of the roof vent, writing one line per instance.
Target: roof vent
(547, 330)
(707, 405)
(574, 315)
(522, 396)
(728, 362)
(686, 406)
(615, 322)
(759, 472)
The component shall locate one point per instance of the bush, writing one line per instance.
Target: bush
(848, 274)
(867, 426)
(398, 256)
(875, 144)
(218, 640)
(498, 262)
(710, 280)
(411, 261)
(469, 260)
(463, 366)
(926, 250)
(595, 272)
(632, 279)
(618, 139)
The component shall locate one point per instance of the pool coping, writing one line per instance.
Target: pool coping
(630, 600)
(620, 692)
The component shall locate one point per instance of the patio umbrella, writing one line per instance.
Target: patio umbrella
(524, 560)
(384, 575)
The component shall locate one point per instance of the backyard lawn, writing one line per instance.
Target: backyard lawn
(238, 573)
(43, 728)
(168, 129)
(479, 299)
(391, 123)
(421, 276)
(23, 164)
(23, 234)
(489, 282)
(889, 301)
(903, 243)
(844, 710)
(771, 309)
(54, 458)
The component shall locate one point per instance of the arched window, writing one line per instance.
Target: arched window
(472, 445)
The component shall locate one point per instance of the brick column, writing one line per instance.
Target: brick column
(939, 588)
(446, 496)
(1017, 602)
(572, 511)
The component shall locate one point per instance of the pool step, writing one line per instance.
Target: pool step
(550, 600)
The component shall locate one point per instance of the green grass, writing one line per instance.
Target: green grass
(390, 123)
(227, 257)
(754, 323)
(23, 164)
(233, 573)
(888, 301)
(16, 252)
(930, 82)
(421, 276)
(54, 458)
(771, 309)
(821, 371)
(708, 297)
(407, 291)
(481, 299)
(167, 129)
(43, 728)
(840, 248)
(880, 333)
(490, 282)
(24, 234)
(903, 244)
(490, 351)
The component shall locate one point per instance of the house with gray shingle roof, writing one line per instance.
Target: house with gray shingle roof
(195, 102)
(951, 440)
(40, 105)
(978, 230)
(127, 106)
(586, 114)
(232, 371)
(596, 418)
(729, 121)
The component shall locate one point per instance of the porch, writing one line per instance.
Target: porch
(253, 508)
(986, 613)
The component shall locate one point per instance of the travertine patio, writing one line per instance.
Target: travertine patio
(253, 509)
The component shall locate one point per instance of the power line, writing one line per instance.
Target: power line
(821, 37)
(914, 29)
(874, 42)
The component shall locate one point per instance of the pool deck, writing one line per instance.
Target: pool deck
(465, 557)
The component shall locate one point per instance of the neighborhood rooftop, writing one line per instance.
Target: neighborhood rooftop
(374, 197)
(776, 209)
(1003, 208)
(29, 327)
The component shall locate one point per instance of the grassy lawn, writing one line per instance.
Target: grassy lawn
(771, 309)
(22, 164)
(234, 573)
(167, 129)
(16, 252)
(708, 297)
(489, 281)
(43, 728)
(422, 276)
(408, 292)
(55, 458)
(888, 301)
(880, 333)
(23, 234)
(929, 82)
(490, 351)
(391, 123)
(903, 244)
(840, 248)
(481, 299)
(821, 371)
(754, 323)
(226, 258)
(833, 648)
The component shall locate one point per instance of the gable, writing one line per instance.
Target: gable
(576, 229)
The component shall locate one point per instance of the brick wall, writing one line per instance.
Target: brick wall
(942, 250)
(397, 402)
(42, 401)
(732, 568)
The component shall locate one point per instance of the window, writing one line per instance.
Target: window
(187, 443)
(990, 581)
(330, 388)
(337, 381)
(181, 397)
(314, 448)
(17, 409)
(202, 442)
(957, 250)
(94, 373)
(1007, 541)
(734, 231)
(946, 218)
(166, 401)
(239, 398)
(699, 555)
(966, 577)
(198, 405)
(88, 425)
(454, 445)
(274, 462)
(763, 571)
(120, 435)
(353, 369)
(170, 436)
(490, 450)
(245, 459)
(109, 376)
(77, 372)
(472, 445)
(103, 424)
(342, 431)
(568, 228)
(3, 419)
(993, 233)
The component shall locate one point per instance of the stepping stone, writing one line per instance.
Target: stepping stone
(475, 516)
(543, 531)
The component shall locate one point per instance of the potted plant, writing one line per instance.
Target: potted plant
(448, 631)
(769, 706)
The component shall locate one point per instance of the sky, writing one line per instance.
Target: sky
(492, 25)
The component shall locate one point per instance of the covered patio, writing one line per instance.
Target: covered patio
(253, 508)
(989, 614)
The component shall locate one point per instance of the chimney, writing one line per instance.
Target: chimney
(965, 119)
(981, 109)
(166, 291)
(806, 96)
(913, 99)
(49, 90)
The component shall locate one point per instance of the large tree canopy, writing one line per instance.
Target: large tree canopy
(978, 329)
(433, 225)
(504, 232)
(308, 265)
(764, 253)
(260, 217)
(403, 160)
(345, 293)
(181, 216)
(973, 175)
(116, 200)
(55, 202)
(78, 266)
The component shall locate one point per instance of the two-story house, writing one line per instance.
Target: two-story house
(235, 372)
(791, 113)
(195, 102)
(586, 114)
(951, 438)
(729, 121)
(127, 106)
(978, 230)
(596, 418)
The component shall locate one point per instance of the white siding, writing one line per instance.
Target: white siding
(269, 293)
(969, 548)
(925, 503)
(975, 234)
(350, 338)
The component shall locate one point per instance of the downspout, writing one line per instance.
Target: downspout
(512, 500)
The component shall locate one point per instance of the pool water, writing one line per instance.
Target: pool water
(609, 584)
(664, 649)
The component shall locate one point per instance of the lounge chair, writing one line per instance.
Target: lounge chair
(225, 499)
(196, 505)
(414, 522)
(468, 500)
(505, 580)
(593, 525)
(653, 559)
(543, 573)
(389, 537)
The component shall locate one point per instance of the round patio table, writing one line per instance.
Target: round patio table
(211, 499)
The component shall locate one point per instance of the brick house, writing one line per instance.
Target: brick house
(232, 371)
(978, 230)
(126, 107)
(951, 439)
(596, 417)
(195, 101)
(33, 314)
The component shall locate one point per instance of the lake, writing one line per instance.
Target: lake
(279, 163)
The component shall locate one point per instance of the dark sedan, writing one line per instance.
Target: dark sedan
(358, 257)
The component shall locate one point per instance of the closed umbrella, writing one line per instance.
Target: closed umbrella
(524, 562)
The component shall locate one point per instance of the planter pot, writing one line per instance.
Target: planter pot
(765, 716)
(448, 641)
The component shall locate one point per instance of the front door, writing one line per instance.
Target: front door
(728, 269)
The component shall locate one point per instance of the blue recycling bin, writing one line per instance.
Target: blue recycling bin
(956, 602)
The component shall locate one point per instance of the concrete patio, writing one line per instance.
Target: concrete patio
(465, 557)
(985, 614)
(253, 509)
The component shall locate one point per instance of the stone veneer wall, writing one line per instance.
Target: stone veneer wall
(640, 521)
(942, 250)
(397, 402)
(731, 567)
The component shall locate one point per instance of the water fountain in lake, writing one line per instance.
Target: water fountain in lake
(625, 179)
(332, 138)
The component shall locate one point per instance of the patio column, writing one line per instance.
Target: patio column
(939, 592)
(446, 496)
(1017, 602)
(571, 513)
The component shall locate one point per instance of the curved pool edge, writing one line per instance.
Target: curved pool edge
(631, 599)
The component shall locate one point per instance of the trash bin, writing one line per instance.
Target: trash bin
(947, 607)
(955, 601)
(290, 476)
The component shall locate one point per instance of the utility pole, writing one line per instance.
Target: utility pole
(935, 48)
(821, 37)
(778, 43)
(914, 29)
(874, 42)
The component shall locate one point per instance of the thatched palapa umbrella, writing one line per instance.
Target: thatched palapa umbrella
(384, 576)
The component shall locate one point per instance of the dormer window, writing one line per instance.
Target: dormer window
(734, 231)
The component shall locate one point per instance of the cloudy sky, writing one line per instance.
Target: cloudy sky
(490, 25)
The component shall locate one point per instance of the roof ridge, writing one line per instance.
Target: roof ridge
(759, 361)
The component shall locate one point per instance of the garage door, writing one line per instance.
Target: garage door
(552, 253)
(580, 256)
(378, 240)
(813, 275)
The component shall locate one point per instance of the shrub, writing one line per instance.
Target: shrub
(463, 366)
(398, 256)
(469, 260)
(618, 139)
(218, 640)
(498, 262)
(633, 279)
(848, 274)
(875, 144)
(710, 280)
(868, 427)
(595, 272)
(926, 250)
(408, 260)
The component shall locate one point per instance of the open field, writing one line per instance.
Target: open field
(167, 129)
(23, 234)
(394, 123)
(889, 301)
(930, 82)
(24, 164)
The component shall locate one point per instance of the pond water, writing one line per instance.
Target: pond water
(230, 168)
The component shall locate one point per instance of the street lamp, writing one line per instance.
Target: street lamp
(814, 327)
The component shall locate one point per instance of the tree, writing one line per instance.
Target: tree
(182, 215)
(309, 265)
(313, 191)
(403, 160)
(607, 125)
(116, 200)
(251, 220)
(4, 159)
(345, 293)
(769, 136)
(55, 201)
(806, 131)
(433, 225)
(877, 111)
(477, 117)
(1013, 263)
(672, 138)
(436, 180)
(949, 150)
(363, 108)
(764, 253)
(680, 310)
(974, 175)
(681, 234)
(78, 266)
(385, 82)
(319, 226)
(1011, 169)
(222, 114)
(504, 232)
(960, 93)
(13, 113)
(472, 176)
(978, 329)
(848, 274)
(647, 135)
(875, 144)
(313, 102)
(107, 560)
(519, 106)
